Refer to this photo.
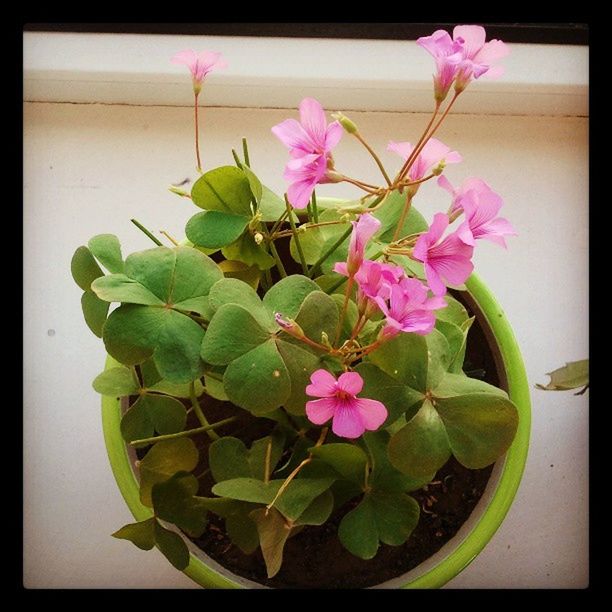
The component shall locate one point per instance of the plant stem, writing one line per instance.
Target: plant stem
(213, 435)
(329, 251)
(236, 159)
(400, 223)
(371, 151)
(182, 434)
(245, 152)
(267, 462)
(373, 189)
(347, 295)
(197, 132)
(279, 263)
(298, 244)
(315, 210)
(308, 226)
(278, 222)
(335, 285)
(169, 237)
(146, 232)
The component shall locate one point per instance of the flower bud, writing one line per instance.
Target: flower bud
(288, 325)
(349, 126)
(178, 191)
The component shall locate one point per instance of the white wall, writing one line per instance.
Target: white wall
(89, 168)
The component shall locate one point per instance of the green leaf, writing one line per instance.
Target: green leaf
(347, 459)
(397, 397)
(246, 250)
(389, 215)
(300, 365)
(299, 494)
(175, 500)
(228, 459)
(232, 332)
(254, 183)
(238, 269)
(173, 275)
(418, 361)
(215, 388)
(84, 268)
(271, 206)
(573, 375)
(133, 333)
(242, 531)
(381, 516)
(172, 547)
(319, 510)
(454, 336)
(456, 365)
(454, 312)
(273, 533)
(151, 413)
(288, 294)
(383, 475)
(120, 288)
(248, 489)
(480, 427)
(258, 453)
(176, 389)
(95, 311)
(107, 250)
(214, 229)
(142, 534)
(163, 460)
(116, 382)
(421, 447)
(314, 240)
(258, 381)
(318, 314)
(457, 384)
(233, 291)
(225, 189)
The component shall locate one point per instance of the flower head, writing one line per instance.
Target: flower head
(458, 194)
(363, 230)
(433, 154)
(375, 280)
(310, 142)
(481, 219)
(351, 415)
(410, 309)
(448, 259)
(199, 64)
(478, 55)
(448, 54)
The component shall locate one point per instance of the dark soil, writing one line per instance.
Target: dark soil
(315, 558)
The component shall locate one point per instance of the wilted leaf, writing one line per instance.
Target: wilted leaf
(573, 375)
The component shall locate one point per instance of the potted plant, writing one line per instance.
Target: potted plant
(313, 391)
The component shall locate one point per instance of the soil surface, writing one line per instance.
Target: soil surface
(314, 557)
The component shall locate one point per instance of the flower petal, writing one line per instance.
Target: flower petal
(312, 117)
(403, 149)
(350, 382)
(473, 36)
(373, 413)
(293, 136)
(348, 422)
(491, 52)
(299, 193)
(434, 281)
(333, 135)
(321, 410)
(322, 384)
(188, 57)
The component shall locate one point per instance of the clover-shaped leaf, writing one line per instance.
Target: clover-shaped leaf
(225, 189)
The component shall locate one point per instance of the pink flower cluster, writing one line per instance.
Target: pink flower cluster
(310, 142)
(463, 57)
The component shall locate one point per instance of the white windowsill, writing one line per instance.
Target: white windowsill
(279, 72)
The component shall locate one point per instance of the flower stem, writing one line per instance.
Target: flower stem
(347, 295)
(315, 210)
(197, 131)
(279, 263)
(245, 153)
(298, 244)
(213, 435)
(169, 237)
(400, 223)
(146, 232)
(182, 434)
(371, 151)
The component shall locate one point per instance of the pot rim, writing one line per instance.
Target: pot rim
(467, 549)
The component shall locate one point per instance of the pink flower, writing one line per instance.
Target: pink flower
(409, 310)
(448, 55)
(351, 415)
(310, 143)
(469, 184)
(478, 55)
(434, 152)
(363, 230)
(375, 279)
(447, 259)
(199, 64)
(481, 219)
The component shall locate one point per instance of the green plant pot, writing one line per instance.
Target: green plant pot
(456, 554)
